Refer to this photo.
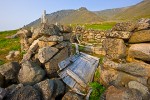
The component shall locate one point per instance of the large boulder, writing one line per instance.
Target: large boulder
(140, 51)
(117, 78)
(115, 48)
(143, 89)
(52, 65)
(124, 26)
(46, 89)
(118, 34)
(72, 96)
(30, 73)
(10, 70)
(114, 93)
(46, 53)
(134, 68)
(24, 93)
(140, 36)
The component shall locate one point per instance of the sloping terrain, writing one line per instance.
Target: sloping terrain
(82, 15)
(140, 10)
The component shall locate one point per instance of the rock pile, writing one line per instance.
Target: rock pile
(35, 77)
(126, 66)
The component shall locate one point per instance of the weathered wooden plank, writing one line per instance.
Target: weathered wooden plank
(69, 81)
(77, 71)
(76, 77)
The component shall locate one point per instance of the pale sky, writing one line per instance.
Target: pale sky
(17, 13)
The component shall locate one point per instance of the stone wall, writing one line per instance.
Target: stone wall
(126, 65)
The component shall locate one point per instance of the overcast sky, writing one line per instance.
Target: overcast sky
(17, 13)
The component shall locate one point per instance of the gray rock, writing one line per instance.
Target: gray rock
(10, 70)
(46, 89)
(118, 78)
(59, 87)
(140, 36)
(118, 34)
(134, 68)
(124, 26)
(50, 89)
(114, 93)
(115, 48)
(24, 33)
(65, 29)
(30, 73)
(34, 46)
(143, 89)
(66, 36)
(140, 51)
(72, 96)
(46, 53)
(12, 55)
(2, 93)
(53, 38)
(52, 66)
(24, 93)
(143, 23)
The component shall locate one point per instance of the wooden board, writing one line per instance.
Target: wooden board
(78, 70)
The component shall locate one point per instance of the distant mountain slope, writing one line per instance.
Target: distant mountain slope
(82, 15)
(137, 11)
(79, 16)
(109, 14)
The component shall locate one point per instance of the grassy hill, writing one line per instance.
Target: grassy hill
(141, 10)
(110, 13)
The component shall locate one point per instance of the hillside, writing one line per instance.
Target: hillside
(140, 10)
(82, 15)
(109, 14)
(70, 17)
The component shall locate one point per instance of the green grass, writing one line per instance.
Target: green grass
(98, 89)
(7, 45)
(102, 26)
(99, 26)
